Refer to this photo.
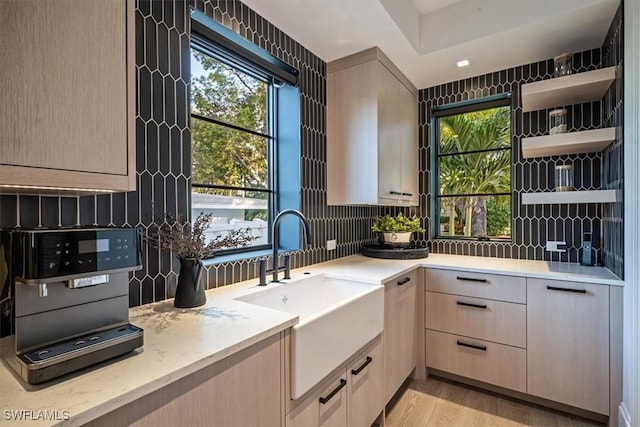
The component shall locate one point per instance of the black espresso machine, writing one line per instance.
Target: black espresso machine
(64, 298)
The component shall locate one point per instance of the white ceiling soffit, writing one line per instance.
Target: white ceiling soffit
(425, 38)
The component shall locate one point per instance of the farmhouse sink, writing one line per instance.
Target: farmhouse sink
(337, 318)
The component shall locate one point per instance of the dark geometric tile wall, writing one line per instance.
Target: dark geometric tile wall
(163, 151)
(532, 225)
(163, 155)
(613, 158)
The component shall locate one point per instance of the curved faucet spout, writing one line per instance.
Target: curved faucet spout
(275, 234)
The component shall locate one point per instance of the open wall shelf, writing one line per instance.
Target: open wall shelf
(563, 197)
(589, 141)
(567, 90)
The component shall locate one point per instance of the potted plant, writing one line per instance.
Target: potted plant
(188, 241)
(397, 230)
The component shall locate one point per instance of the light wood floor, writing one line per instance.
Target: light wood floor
(434, 402)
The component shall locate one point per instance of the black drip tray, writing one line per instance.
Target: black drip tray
(395, 252)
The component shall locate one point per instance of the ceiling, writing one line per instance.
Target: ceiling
(425, 38)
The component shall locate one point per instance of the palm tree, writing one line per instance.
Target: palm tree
(476, 172)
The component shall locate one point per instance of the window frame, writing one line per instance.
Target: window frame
(438, 112)
(220, 43)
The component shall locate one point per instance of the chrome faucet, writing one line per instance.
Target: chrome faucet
(275, 233)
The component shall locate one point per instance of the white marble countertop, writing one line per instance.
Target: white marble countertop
(179, 342)
(373, 270)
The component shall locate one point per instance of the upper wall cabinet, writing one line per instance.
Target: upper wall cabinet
(372, 136)
(67, 110)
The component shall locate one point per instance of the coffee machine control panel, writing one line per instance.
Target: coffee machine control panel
(69, 252)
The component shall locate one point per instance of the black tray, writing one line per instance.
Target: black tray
(395, 252)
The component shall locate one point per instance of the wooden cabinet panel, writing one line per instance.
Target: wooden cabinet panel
(568, 343)
(365, 387)
(390, 134)
(372, 132)
(332, 412)
(497, 321)
(497, 364)
(244, 389)
(68, 84)
(478, 285)
(400, 298)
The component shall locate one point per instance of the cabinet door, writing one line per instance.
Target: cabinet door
(399, 331)
(409, 151)
(327, 408)
(390, 133)
(568, 343)
(364, 387)
(67, 95)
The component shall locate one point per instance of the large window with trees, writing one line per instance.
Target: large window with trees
(245, 135)
(231, 144)
(472, 170)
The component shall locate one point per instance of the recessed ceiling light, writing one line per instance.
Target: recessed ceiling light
(462, 63)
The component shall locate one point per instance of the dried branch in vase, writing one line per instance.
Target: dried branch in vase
(188, 240)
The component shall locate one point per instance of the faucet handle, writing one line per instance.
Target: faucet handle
(287, 266)
(262, 264)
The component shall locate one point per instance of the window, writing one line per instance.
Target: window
(472, 170)
(234, 144)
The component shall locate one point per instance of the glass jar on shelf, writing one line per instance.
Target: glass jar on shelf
(564, 178)
(557, 121)
(562, 64)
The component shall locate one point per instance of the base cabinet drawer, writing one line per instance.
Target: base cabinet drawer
(478, 285)
(497, 321)
(497, 364)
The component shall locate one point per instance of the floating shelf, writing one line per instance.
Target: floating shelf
(563, 197)
(568, 90)
(589, 141)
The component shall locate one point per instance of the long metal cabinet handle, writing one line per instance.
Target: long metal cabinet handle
(476, 347)
(335, 391)
(578, 291)
(404, 281)
(364, 365)
(468, 304)
(471, 279)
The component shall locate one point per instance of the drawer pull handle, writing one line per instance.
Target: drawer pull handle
(408, 194)
(335, 391)
(395, 193)
(578, 291)
(404, 281)
(364, 365)
(468, 304)
(471, 279)
(476, 347)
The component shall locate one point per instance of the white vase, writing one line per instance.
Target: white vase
(399, 239)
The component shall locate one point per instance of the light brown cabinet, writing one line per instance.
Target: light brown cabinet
(568, 343)
(244, 389)
(400, 344)
(365, 387)
(372, 132)
(352, 396)
(67, 111)
(476, 326)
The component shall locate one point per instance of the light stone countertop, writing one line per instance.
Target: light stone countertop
(179, 342)
(373, 270)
